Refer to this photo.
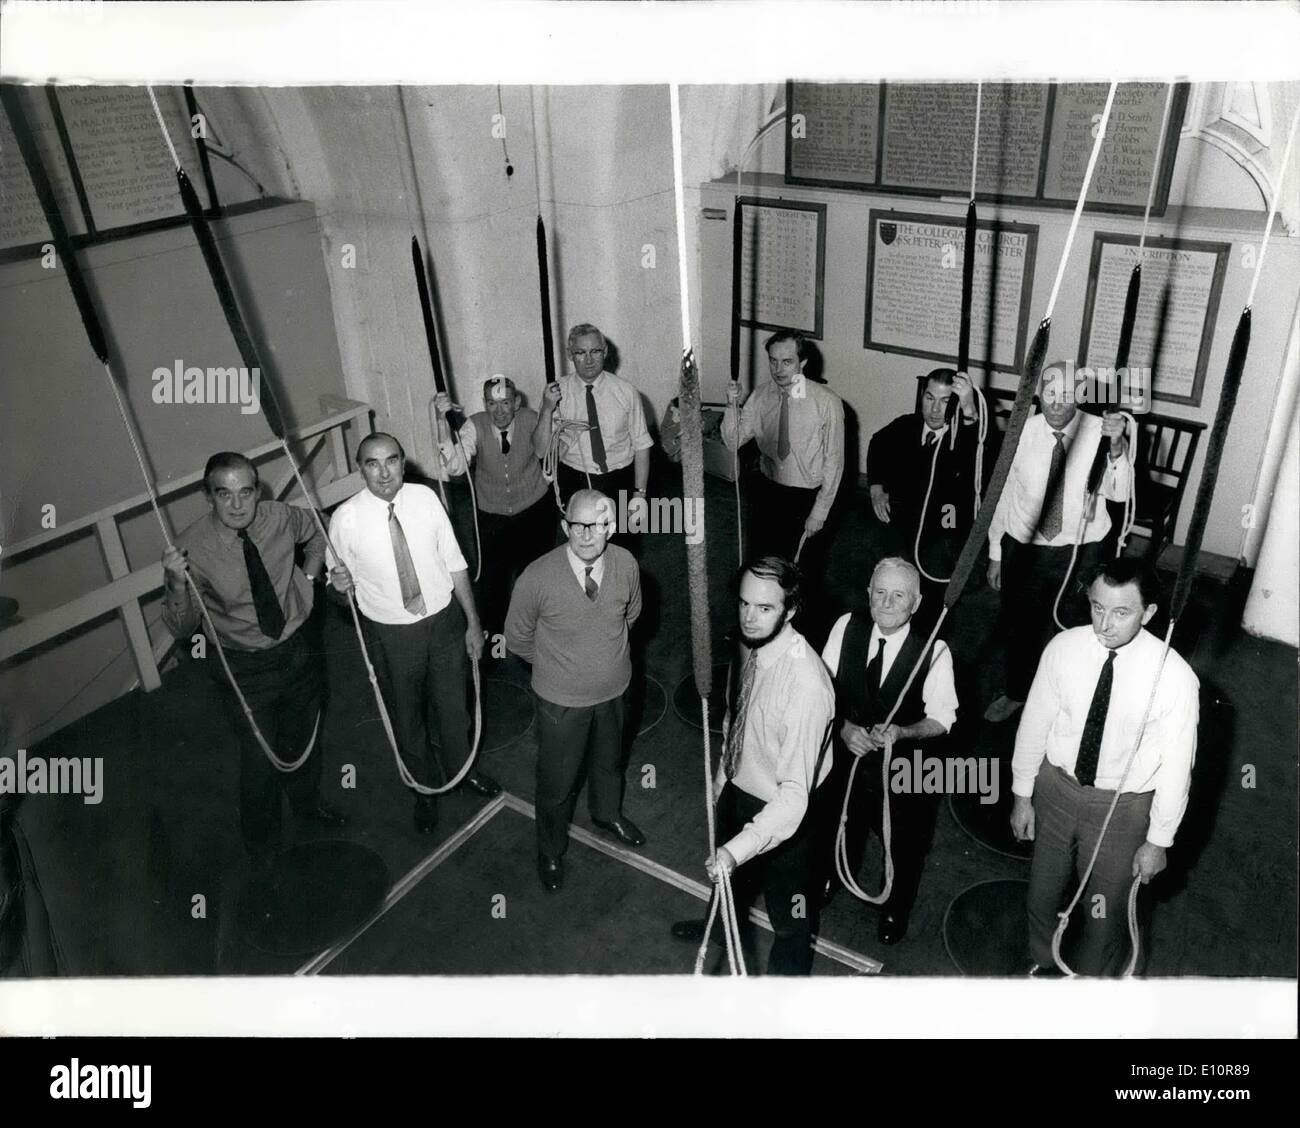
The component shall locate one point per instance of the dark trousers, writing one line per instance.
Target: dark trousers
(911, 816)
(1067, 822)
(421, 672)
(775, 518)
(1031, 577)
(787, 877)
(610, 484)
(573, 741)
(510, 544)
(284, 687)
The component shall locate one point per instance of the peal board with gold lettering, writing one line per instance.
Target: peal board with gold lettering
(1034, 140)
(914, 266)
(779, 264)
(1178, 304)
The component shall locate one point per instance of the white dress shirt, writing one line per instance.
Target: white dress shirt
(1052, 722)
(938, 691)
(1020, 507)
(787, 726)
(359, 532)
(623, 428)
(816, 458)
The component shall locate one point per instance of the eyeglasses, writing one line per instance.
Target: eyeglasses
(575, 353)
(589, 528)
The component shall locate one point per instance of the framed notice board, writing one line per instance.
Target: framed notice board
(913, 305)
(1034, 140)
(1182, 281)
(778, 264)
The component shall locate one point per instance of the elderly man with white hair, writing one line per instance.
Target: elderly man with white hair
(569, 617)
(870, 656)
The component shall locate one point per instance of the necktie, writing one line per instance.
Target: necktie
(589, 585)
(597, 442)
(931, 437)
(876, 667)
(1054, 498)
(736, 734)
(505, 443)
(412, 599)
(270, 616)
(783, 429)
(1085, 768)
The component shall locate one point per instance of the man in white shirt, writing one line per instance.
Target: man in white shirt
(1042, 515)
(1076, 737)
(798, 425)
(398, 554)
(609, 449)
(870, 658)
(775, 752)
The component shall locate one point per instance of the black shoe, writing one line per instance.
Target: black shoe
(482, 784)
(692, 931)
(322, 814)
(551, 871)
(426, 815)
(1038, 971)
(892, 928)
(624, 829)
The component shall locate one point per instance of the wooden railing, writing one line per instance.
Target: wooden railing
(125, 589)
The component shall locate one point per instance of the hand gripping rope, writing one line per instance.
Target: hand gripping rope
(275, 420)
(1187, 572)
(697, 567)
(979, 531)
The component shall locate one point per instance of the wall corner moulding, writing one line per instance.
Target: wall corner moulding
(1241, 120)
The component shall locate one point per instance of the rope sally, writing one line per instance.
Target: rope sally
(697, 572)
(974, 542)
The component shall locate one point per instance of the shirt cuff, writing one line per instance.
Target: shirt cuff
(743, 847)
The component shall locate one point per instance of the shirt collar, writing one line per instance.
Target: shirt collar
(396, 499)
(767, 656)
(228, 536)
(580, 566)
(1069, 430)
(893, 642)
(925, 428)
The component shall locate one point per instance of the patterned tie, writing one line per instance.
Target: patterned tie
(1085, 769)
(876, 667)
(589, 585)
(1054, 498)
(412, 599)
(783, 428)
(736, 734)
(505, 443)
(593, 435)
(270, 616)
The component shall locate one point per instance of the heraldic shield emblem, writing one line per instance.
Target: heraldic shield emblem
(888, 231)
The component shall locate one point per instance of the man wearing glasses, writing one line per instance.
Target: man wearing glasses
(569, 617)
(609, 448)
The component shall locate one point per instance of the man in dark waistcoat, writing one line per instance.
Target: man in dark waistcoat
(870, 657)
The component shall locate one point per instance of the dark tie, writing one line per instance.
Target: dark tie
(505, 443)
(1054, 498)
(270, 616)
(412, 599)
(783, 428)
(736, 734)
(876, 667)
(931, 437)
(590, 586)
(597, 443)
(1085, 768)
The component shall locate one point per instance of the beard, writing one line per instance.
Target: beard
(759, 643)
